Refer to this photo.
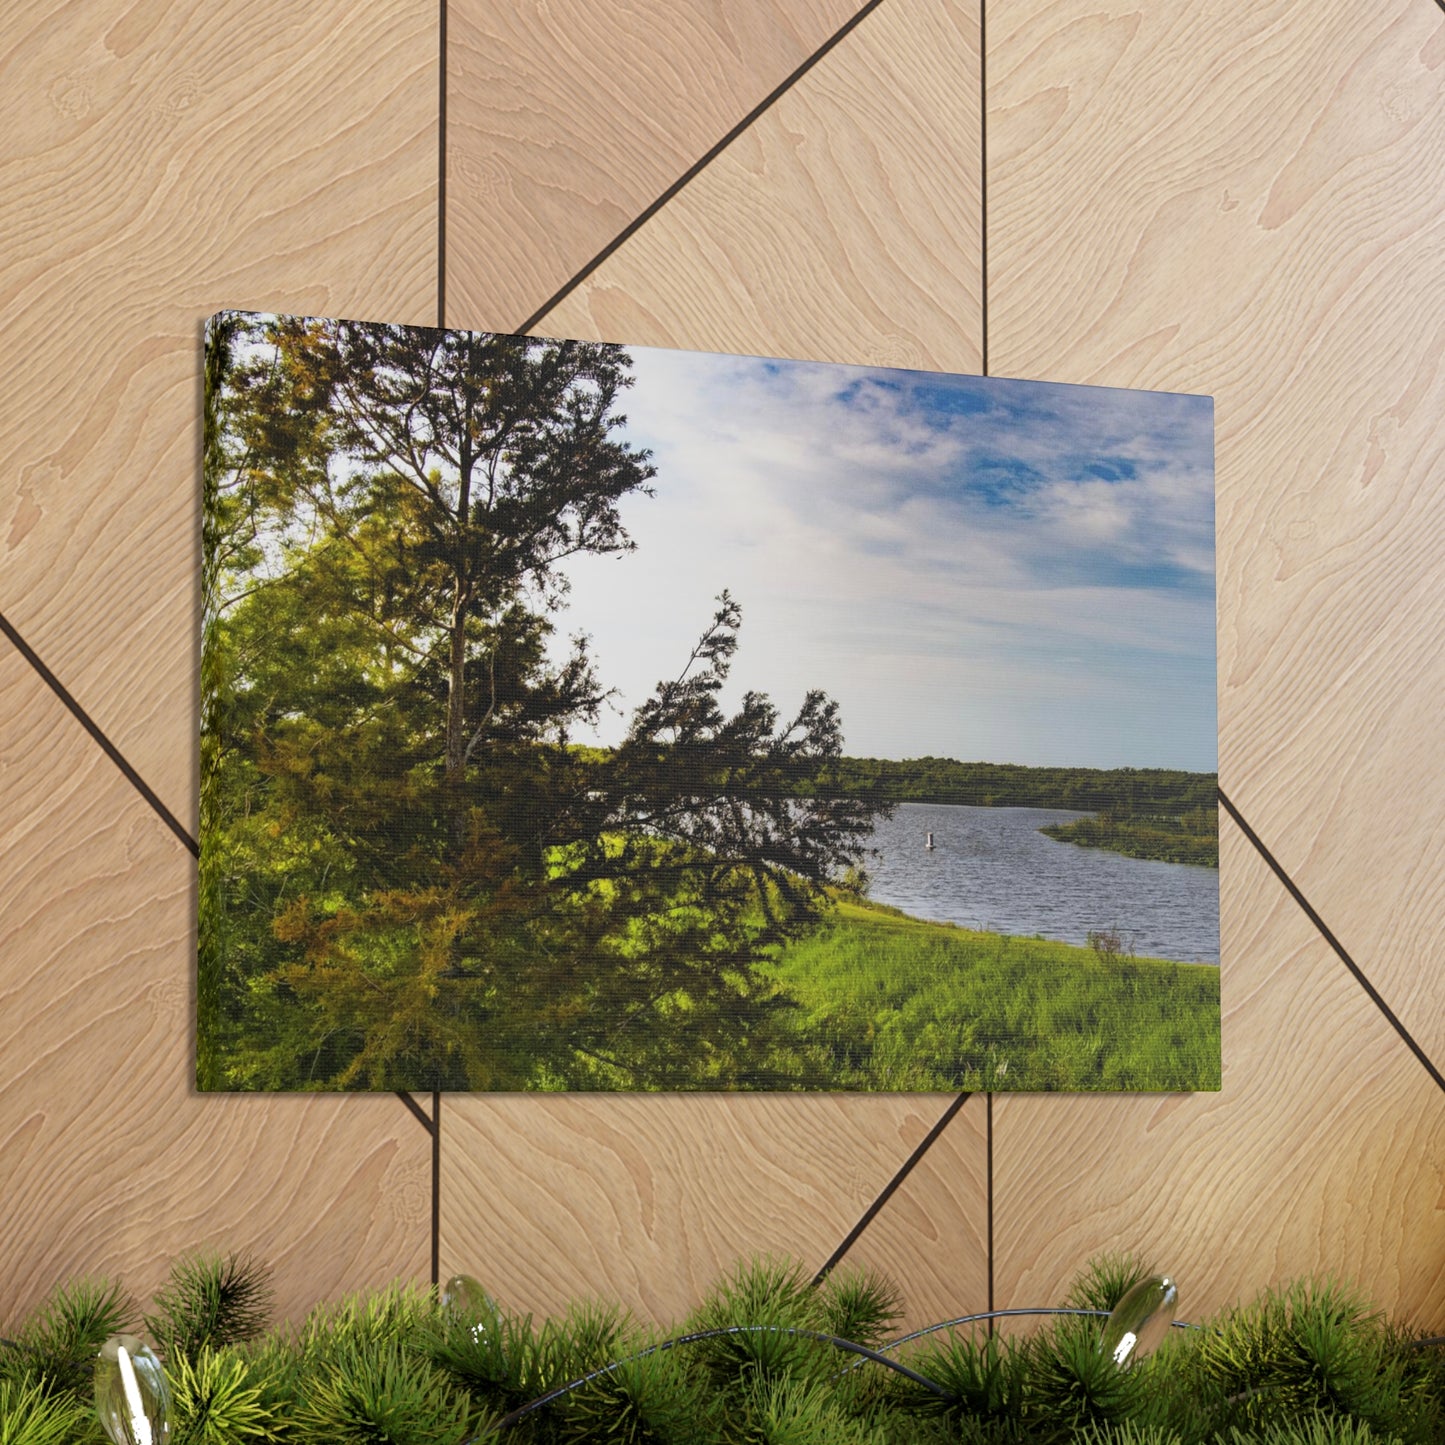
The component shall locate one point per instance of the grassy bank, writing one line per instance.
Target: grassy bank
(891, 1002)
(1191, 837)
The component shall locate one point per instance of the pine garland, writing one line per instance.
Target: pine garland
(1311, 1364)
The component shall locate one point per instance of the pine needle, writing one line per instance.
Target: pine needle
(210, 1301)
(59, 1342)
(30, 1415)
(1105, 1280)
(216, 1401)
(859, 1305)
(380, 1393)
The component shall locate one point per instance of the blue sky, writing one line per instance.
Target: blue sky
(975, 568)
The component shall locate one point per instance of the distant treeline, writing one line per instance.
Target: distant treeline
(1120, 791)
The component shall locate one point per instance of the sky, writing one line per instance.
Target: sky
(976, 568)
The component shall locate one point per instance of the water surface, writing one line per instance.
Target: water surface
(991, 868)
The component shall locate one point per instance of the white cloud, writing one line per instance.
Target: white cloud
(953, 558)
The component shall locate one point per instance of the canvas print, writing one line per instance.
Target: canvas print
(587, 717)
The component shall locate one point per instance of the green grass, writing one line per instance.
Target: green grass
(892, 1002)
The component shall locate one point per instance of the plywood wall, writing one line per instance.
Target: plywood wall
(1240, 200)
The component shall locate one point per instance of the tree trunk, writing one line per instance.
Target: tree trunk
(456, 759)
(456, 754)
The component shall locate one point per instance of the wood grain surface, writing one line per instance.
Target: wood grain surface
(160, 161)
(931, 1236)
(1239, 200)
(109, 1161)
(843, 225)
(1245, 201)
(1322, 1154)
(649, 1199)
(567, 118)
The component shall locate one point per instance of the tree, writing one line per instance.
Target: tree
(415, 878)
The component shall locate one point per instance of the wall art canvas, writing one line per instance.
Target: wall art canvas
(587, 717)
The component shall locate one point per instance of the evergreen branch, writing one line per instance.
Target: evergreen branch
(210, 1301)
(817, 1336)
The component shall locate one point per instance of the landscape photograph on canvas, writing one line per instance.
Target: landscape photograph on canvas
(586, 717)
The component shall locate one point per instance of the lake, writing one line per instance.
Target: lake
(992, 869)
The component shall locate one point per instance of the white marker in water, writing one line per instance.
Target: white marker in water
(139, 1421)
(929, 844)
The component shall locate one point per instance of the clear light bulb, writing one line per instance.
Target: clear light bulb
(1140, 1320)
(468, 1308)
(131, 1394)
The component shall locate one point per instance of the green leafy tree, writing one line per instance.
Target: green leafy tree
(411, 877)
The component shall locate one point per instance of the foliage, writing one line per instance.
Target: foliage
(381, 1391)
(411, 877)
(56, 1346)
(1122, 791)
(32, 1415)
(218, 1398)
(1189, 837)
(1105, 1280)
(1306, 1365)
(860, 1306)
(1314, 1348)
(655, 1400)
(987, 1375)
(1073, 1384)
(210, 1300)
(1109, 944)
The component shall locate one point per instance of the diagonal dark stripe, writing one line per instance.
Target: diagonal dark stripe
(889, 1190)
(432, 1123)
(641, 220)
(1294, 891)
(106, 746)
(416, 1109)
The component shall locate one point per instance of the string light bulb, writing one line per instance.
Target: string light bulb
(1140, 1320)
(131, 1394)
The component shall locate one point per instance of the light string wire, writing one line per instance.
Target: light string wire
(836, 1341)
(865, 1353)
(1007, 1314)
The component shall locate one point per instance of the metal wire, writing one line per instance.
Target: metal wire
(1005, 1314)
(850, 1346)
(865, 1354)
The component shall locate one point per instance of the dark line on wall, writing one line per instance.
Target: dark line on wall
(904, 1171)
(1294, 891)
(442, 171)
(106, 746)
(988, 1099)
(983, 347)
(433, 1124)
(983, 191)
(436, 1187)
(641, 220)
(416, 1109)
